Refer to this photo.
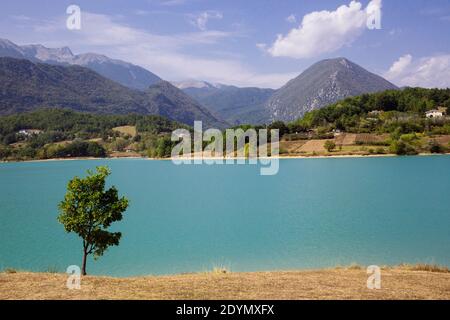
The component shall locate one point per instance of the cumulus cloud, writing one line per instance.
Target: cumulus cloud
(399, 66)
(427, 72)
(325, 31)
(291, 19)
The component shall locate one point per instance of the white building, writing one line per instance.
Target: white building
(434, 114)
(30, 132)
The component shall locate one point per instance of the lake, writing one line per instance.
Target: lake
(315, 213)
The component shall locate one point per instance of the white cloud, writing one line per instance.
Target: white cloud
(172, 2)
(291, 19)
(395, 32)
(167, 2)
(399, 66)
(324, 31)
(427, 72)
(262, 46)
(202, 19)
(166, 55)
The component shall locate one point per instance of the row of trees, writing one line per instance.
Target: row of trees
(397, 111)
(60, 126)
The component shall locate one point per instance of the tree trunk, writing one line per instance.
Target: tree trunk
(83, 268)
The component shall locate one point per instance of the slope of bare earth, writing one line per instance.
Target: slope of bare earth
(313, 146)
(339, 283)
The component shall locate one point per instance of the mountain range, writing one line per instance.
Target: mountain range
(26, 86)
(96, 83)
(125, 73)
(233, 104)
(324, 83)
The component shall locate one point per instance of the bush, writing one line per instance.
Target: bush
(5, 152)
(26, 152)
(10, 138)
(76, 149)
(119, 144)
(402, 148)
(329, 145)
(435, 147)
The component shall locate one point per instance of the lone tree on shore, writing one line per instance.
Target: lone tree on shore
(329, 145)
(88, 210)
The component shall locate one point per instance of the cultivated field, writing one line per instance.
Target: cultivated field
(313, 146)
(346, 139)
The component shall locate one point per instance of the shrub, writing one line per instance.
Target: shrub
(76, 149)
(402, 148)
(5, 152)
(329, 145)
(435, 147)
(119, 144)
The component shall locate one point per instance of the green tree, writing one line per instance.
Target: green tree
(88, 210)
(329, 145)
(435, 147)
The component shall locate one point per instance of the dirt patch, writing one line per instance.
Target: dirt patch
(125, 154)
(292, 146)
(346, 139)
(313, 146)
(443, 140)
(370, 138)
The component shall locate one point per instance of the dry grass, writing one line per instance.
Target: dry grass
(292, 146)
(124, 154)
(130, 130)
(60, 143)
(346, 139)
(370, 138)
(338, 283)
(10, 270)
(442, 140)
(425, 267)
(313, 146)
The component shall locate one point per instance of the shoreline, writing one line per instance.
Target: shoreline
(343, 156)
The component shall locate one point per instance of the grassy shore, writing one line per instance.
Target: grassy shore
(404, 282)
(329, 156)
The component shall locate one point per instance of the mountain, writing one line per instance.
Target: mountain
(324, 83)
(233, 104)
(165, 100)
(194, 84)
(26, 86)
(125, 73)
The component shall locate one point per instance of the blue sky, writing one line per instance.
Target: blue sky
(247, 43)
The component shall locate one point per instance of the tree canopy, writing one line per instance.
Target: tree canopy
(88, 210)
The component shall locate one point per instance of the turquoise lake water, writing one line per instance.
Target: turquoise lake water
(314, 213)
